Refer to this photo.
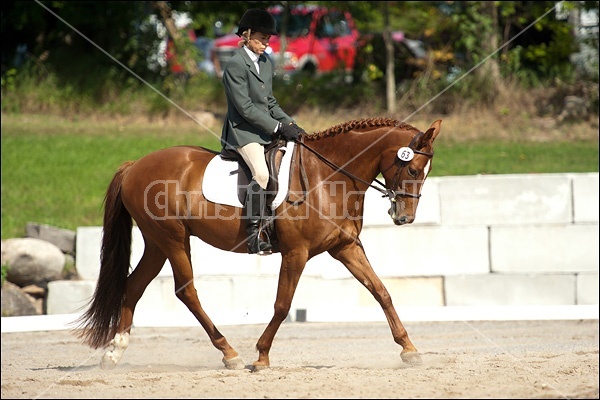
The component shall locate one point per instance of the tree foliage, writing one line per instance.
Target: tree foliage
(69, 37)
(82, 43)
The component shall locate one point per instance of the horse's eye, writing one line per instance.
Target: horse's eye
(412, 172)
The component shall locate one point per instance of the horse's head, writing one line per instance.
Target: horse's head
(406, 169)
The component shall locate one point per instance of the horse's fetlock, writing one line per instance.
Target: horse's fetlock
(121, 340)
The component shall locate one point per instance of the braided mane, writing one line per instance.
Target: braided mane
(358, 124)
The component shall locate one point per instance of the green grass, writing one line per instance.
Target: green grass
(58, 176)
(502, 157)
(56, 171)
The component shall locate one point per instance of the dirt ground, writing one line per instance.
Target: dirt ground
(521, 359)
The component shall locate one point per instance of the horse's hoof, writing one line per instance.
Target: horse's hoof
(258, 367)
(108, 360)
(234, 363)
(411, 357)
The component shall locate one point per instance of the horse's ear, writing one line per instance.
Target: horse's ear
(434, 130)
(430, 135)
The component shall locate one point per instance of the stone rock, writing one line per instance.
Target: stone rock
(32, 261)
(34, 291)
(70, 270)
(16, 302)
(64, 239)
(574, 109)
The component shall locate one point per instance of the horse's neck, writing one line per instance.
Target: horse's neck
(358, 153)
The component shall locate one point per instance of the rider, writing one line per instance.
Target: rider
(254, 117)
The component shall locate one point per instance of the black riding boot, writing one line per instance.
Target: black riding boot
(253, 208)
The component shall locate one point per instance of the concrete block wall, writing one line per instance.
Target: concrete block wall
(495, 240)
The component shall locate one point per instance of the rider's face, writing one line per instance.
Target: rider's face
(258, 42)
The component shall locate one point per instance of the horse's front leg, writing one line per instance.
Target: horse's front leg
(353, 257)
(292, 265)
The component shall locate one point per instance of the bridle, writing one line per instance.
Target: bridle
(389, 193)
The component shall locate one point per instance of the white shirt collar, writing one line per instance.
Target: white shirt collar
(253, 57)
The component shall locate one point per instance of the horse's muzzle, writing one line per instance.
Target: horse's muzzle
(399, 219)
(402, 220)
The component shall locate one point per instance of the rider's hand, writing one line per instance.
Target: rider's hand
(302, 131)
(289, 131)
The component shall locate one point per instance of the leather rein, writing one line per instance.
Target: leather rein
(389, 193)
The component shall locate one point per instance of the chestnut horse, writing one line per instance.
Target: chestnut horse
(317, 219)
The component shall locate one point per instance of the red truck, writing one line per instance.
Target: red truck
(318, 40)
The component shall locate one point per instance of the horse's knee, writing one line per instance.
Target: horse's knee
(281, 312)
(186, 294)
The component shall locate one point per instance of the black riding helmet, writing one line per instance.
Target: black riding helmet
(257, 20)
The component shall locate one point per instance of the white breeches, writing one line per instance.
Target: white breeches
(254, 156)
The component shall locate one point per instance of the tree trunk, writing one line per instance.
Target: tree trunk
(390, 78)
(283, 31)
(182, 50)
(489, 43)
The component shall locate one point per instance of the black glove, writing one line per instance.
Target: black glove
(289, 131)
(302, 131)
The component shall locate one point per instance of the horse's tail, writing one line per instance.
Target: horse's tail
(99, 324)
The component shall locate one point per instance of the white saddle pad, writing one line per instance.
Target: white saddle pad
(221, 180)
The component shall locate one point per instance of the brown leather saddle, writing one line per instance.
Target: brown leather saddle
(274, 154)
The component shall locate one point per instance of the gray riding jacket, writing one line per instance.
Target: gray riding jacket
(252, 110)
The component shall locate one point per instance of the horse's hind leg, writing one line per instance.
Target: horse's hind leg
(147, 269)
(180, 258)
(354, 258)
